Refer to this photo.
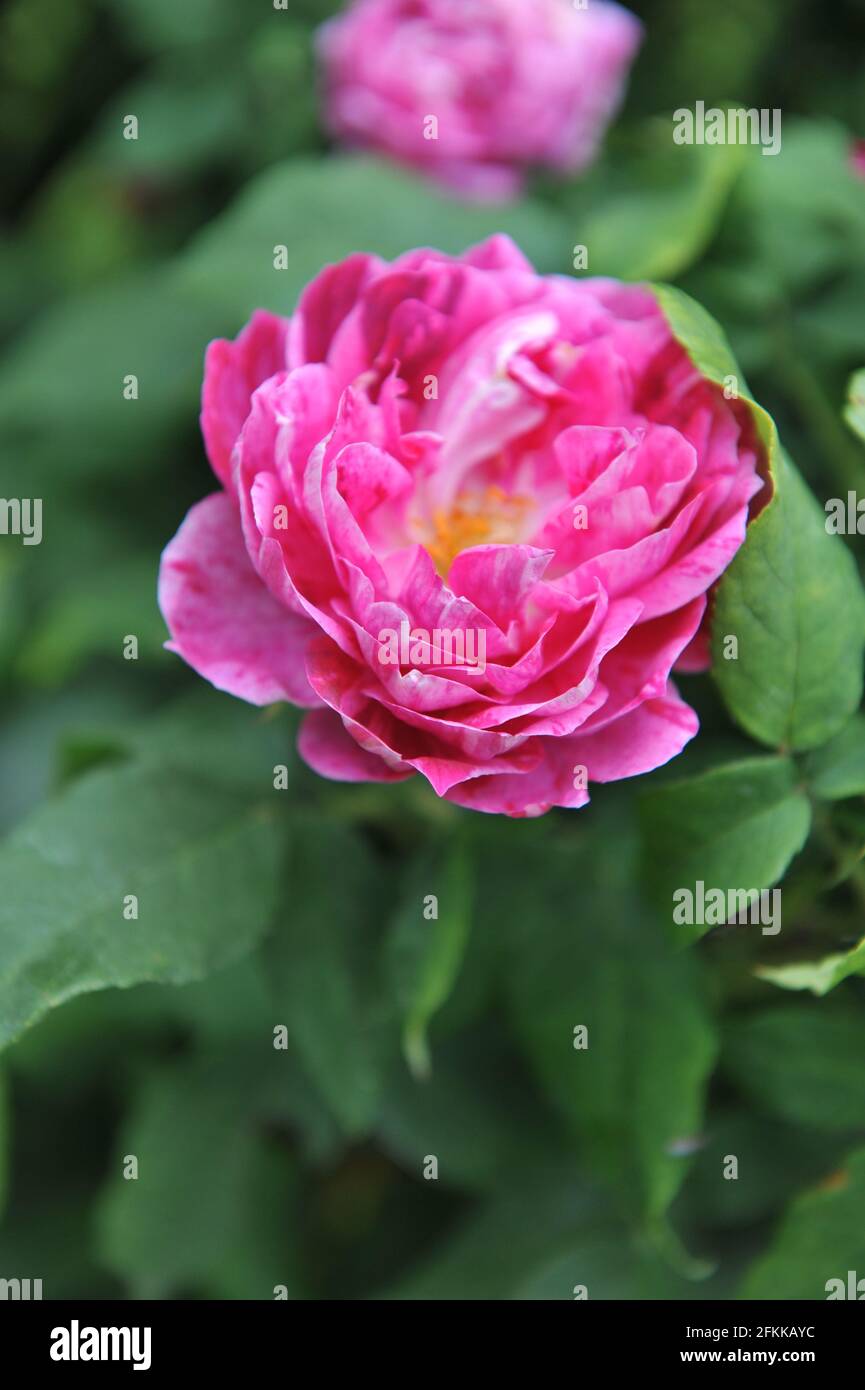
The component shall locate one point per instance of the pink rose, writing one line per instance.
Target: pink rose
(469, 518)
(473, 91)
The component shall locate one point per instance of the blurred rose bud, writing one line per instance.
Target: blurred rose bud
(473, 92)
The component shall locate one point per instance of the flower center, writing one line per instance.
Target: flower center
(489, 517)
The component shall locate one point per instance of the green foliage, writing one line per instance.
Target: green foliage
(800, 1064)
(165, 847)
(837, 770)
(854, 412)
(4, 1139)
(321, 211)
(738, 825)
(659, 209)
(325, 970)
(613, 1020)
(481, 1132)
(819, 976)
(819, 1240)
(425, 951)
(165, 1224)
(791, 597)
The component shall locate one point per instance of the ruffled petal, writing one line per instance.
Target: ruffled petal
(222, 619)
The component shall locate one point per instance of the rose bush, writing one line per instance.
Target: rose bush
(463, 445)
(507, 83)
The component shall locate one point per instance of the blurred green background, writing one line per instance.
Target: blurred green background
(307, 1167)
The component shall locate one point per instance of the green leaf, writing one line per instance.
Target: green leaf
(186, 120)
(323, 962)
(232, 1008)
(231, 742)
(802, 1063)
(854, 411)
(608, 1264)
(92, 618)
(798, 240)
(172, 1226)
(163, 24)
(266, 1251)
(712, 1197)
(791, 597)
(200, 857)
(31, 733)
(425, 954)
(50, 1232)
(571, 1240)
(735, 827)
(204, 731)
(821, 1238)
(819, 976)
(828, 329)
(5, 1119)
(76, 422)
(495, 1250)
(662, 209)
(837, 770)
(584, 955)
(324, 210)
(483, 1135)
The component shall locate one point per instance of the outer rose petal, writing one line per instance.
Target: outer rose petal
(232, 371)
(323, 307)
(327, 747)
(498, 252)
(697, 656)
(524, 794)
(222, 619)
(639, 742)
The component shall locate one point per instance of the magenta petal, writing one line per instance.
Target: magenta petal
(222, 619)
(498, 579)
(498, 252)
(697, 656)
(232, 371)
(638, 742)
(326, 303)
(326, 747)
(527, 793)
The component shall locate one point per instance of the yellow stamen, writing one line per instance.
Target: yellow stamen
(489, 517)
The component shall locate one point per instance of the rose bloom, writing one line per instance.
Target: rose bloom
(462, 446)
(473, 91)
